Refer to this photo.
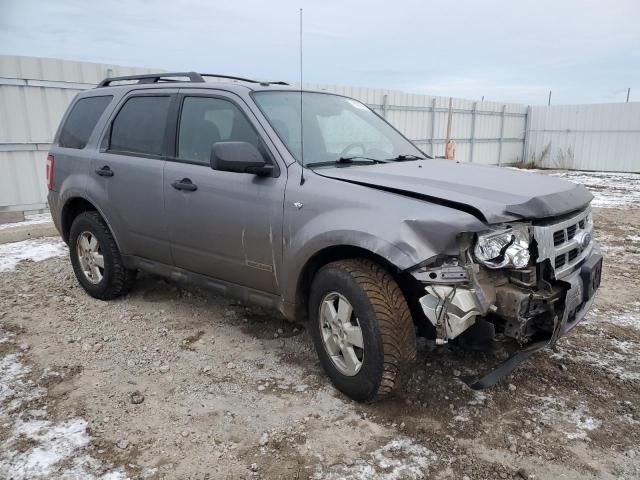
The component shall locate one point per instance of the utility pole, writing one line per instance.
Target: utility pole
(549, 102)
(628, 94)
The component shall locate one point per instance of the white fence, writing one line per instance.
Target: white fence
(485, 132)
(35, 92)
(602, 137)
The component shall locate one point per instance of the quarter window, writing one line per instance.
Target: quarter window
(205, 121)
(81, 121)
(140, 125)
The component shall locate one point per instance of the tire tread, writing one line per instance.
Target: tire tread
(122, 279)
(394, 321)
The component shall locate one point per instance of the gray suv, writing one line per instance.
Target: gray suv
(312, 204)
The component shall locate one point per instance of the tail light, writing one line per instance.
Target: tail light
(50, 162)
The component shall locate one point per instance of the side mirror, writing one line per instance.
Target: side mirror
(240, 157)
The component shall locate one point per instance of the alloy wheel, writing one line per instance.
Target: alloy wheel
(341, 333)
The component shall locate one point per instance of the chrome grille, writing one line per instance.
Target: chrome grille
(561, 242)
(558, 238)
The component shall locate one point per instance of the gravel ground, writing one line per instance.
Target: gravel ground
(172, 382)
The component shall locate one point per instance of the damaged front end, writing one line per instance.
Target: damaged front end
(524, 283)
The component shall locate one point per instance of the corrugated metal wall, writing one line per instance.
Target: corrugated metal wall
(602, 137)
(485, 132)
(35, 92)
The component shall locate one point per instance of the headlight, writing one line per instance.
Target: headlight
(504, 248)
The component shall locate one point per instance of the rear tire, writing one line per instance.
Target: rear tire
(380, 311)
(96, 259)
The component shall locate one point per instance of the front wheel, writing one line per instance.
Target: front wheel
(362, 329)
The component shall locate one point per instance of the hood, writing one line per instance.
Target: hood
(492, 194)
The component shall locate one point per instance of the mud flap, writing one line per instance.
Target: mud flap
(505, 368)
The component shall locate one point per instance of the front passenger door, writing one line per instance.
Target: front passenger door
(225, 225)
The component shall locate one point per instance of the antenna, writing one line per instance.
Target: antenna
(301, 130)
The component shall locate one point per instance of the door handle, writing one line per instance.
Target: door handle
(185, 184)
(105, 171)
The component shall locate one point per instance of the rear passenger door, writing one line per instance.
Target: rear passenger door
(229, 225)
(129, 169)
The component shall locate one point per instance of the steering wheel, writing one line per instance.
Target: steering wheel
(351, 146)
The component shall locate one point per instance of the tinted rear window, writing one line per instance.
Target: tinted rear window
(81, 121)
(139, 126)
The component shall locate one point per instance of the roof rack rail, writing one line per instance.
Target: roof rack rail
(153, 78)
(170, 77)
(243, 79)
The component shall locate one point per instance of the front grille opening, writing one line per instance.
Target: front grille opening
(571, 231)
(558, 238)
(560, 260)
(573, 254)
(581, 223)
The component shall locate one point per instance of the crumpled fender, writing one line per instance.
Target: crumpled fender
(404, 231)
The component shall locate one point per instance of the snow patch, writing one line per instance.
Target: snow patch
(610, 189)
(629, 317)
(37, 448)
(479, 397)
(36, 250)
(401, 458)
(34, 219)
(55, 442)
(15, 390)
(574, 422)
(614, 357)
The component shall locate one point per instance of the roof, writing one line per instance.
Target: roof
(188, 80)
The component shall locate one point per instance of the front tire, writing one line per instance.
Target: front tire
(362, 329)
(96, 259)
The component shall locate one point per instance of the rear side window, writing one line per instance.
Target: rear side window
(81, 121)
(139, 126)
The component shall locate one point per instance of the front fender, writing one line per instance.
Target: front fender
(405, 231)
(301, 251)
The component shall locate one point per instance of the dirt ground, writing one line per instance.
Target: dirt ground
(175, 383)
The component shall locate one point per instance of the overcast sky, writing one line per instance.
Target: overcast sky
(584, 51)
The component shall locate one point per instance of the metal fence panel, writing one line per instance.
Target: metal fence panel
(603, 137)
(35, 92)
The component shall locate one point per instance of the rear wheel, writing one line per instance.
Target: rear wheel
(96, 259)
(362, 329)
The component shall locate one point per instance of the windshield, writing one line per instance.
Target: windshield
(336, 129)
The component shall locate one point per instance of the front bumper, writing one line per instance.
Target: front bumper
(579, 286)
(584, 283)
(492, 377)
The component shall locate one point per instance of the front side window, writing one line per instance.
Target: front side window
(334, 128)
(205, 121)
(139, 126)
(82, 120)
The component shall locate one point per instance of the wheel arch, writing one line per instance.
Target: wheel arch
(406, 282)
(75, 206)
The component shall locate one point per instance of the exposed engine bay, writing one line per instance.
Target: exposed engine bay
(525, 282)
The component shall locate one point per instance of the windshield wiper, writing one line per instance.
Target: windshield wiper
(358, 158)
(349, 161)
(404, 158)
